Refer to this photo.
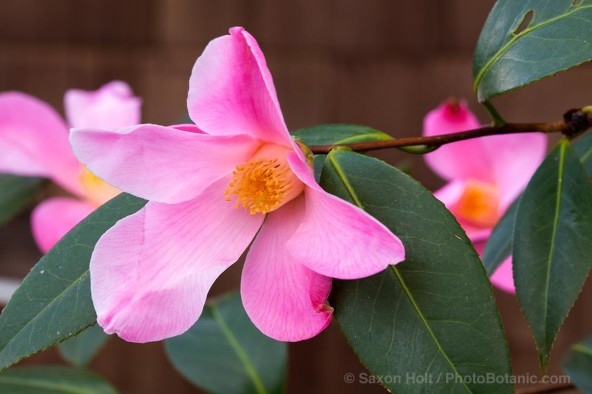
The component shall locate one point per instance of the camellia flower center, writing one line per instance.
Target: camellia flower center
(98, 191)
(479, 204)
(266, 182)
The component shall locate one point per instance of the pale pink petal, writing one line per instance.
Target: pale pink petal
(450, 194)
(475, 233)
(112, 106)
(515, 159)
(34, 141)
(503, 277)
(231, 91)
(458, 160)
(160, 163)
(151, 272)
(55, 217)
(283, 298)
(338, 239)
(191, 128)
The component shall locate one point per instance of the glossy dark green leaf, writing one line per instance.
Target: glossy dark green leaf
(583, 148)
(429, 323)
(552, 251)
(319, 162)
(331, 134)
(499, 245)
(225, 353)
(52, 380)
(82, 348)
(524, 41)
(578, 365)
(54, 303)
(16, 193)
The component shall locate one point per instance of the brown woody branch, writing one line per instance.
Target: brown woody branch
(574, 123)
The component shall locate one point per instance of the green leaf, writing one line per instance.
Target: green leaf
(319, 162)
(583, 148)
(434, 314)
(225, 353)
(552, 252)
(578, 365)
(527, 40)
(332, 134)
(82, 348)
(54, 303)
(16, 193)
(52, 380)
(499, 245)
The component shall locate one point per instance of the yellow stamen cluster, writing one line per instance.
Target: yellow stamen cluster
(479, 204)
(98, 191)
(261, 186)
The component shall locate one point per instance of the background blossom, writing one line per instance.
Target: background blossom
(34, 142)
(485, 175)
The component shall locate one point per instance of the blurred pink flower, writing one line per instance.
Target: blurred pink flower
(485, 175)
(213, 188)
(34, 142)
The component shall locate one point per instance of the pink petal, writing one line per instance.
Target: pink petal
(34, 141)
(151, 272)
(459, 160)
(450, 194)
(231, 91)
(111, 106)
(503, 277)
(516, 158)
(283, 298)
(338, 239)
(53, 218)
(160, 163)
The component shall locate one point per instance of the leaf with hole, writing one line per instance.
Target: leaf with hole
(525, 41)
(578, 365)
(552, 251)
(53, 380)
(16, 193)
(53, 303)
(225, 353)
(432, 315)
(82, 348)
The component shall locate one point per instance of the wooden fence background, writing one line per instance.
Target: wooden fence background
(384, 63)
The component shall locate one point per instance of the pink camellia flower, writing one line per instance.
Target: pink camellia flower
(213, 188)
(34, 142)
(485, 175)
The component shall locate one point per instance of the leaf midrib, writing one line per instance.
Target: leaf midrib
(585, 156)
(517, 37)
(250, 369)
(354, 196)
(558, 200)
(582, 349)
(24, 382)
(380, 136)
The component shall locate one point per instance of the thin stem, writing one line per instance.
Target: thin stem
(495, 116)
(574, 123)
